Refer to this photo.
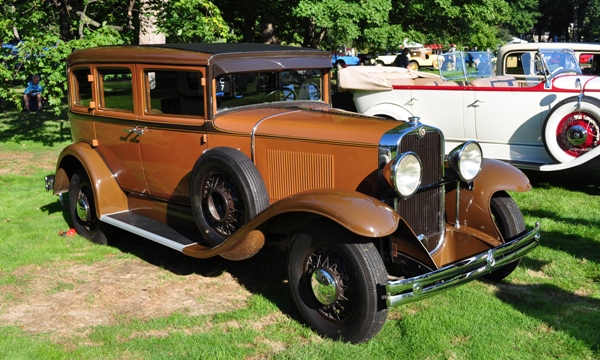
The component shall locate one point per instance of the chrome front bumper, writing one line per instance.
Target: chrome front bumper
(423, 286)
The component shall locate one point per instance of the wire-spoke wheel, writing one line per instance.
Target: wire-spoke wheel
(572, 128)
(226, 191)
(337, 282)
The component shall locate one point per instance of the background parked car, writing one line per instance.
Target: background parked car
(543, 115)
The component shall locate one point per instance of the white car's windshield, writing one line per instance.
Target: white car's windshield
(465, 65)
(556, 61)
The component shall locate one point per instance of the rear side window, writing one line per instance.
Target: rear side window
(514, 64)
(116, 89)
(82, 87)
(174, 92)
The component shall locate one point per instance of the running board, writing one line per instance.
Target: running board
(151, 229)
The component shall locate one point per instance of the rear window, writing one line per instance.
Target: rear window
(116, 89)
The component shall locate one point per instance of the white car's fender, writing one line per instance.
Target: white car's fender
(389, 108)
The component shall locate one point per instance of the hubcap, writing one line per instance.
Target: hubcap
(217, 206)
(324, 286)
(577, 135)
(83, 208)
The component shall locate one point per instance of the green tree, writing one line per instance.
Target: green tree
(43, 33)
(190, 21)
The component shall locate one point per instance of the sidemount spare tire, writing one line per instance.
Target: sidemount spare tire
(572, 128)
(226, 191)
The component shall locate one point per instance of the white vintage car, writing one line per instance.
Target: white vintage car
(547, 119)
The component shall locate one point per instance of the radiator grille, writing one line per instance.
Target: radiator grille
(291, 172)
(423, 211)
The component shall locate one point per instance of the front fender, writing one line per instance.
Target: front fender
(475, 209)
(382, 103)
(107, 192)
(357, 212)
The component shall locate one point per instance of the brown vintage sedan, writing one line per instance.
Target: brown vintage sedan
(215, 149)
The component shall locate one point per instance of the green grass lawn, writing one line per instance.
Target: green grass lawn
(65, 298)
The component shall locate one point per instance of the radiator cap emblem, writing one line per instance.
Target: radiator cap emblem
(422, 132)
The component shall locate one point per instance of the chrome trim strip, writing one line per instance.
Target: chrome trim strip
(253, 133)
(417, 288)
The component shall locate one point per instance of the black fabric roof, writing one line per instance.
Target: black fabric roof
(221, 48)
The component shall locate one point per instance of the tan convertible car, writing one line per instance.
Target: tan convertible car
(216, 149)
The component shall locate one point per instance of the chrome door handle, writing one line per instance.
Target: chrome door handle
(136, 130)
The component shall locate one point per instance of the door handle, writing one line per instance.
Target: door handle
(136, 130)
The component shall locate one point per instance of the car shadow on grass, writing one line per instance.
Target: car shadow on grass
(263, 274)
(588, 182)
(574, 314)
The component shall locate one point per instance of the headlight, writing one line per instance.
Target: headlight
(404, 174)
(466, 160)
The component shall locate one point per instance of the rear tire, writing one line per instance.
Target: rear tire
(82, 207)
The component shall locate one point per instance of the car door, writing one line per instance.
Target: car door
(443, 107)
(172, 122)
(509, 121)
(116, 132)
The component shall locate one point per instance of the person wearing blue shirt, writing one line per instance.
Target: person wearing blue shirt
(33, 92)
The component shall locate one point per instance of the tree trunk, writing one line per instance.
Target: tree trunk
(148, 31)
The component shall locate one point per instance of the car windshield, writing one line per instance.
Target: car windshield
(556, 61)
(465, 66)
(242, 89)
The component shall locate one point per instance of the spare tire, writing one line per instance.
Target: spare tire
(226, 191)
(572, 128)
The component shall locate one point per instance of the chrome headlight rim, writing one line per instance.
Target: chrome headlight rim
(405, 166)
(466, 160)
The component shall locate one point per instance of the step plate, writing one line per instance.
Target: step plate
(151, 229)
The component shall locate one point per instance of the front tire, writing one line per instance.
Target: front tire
(571, 130)
(510, 223)
(413, 65)
(338, 283)
(82, 207)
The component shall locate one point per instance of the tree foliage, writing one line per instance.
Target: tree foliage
(43, 32)
(189, 20)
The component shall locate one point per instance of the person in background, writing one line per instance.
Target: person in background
(402, 59)
(33, 92)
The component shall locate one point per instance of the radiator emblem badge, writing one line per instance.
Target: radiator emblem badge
(422, 132)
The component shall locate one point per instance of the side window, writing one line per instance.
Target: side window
(81, 91)
(514, 64)
(116, 89)
(174, 92)
(590, 63)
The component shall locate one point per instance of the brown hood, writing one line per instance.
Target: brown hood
(307, 123)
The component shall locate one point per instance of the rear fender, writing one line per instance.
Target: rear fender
(107, 192)
(475, 210)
